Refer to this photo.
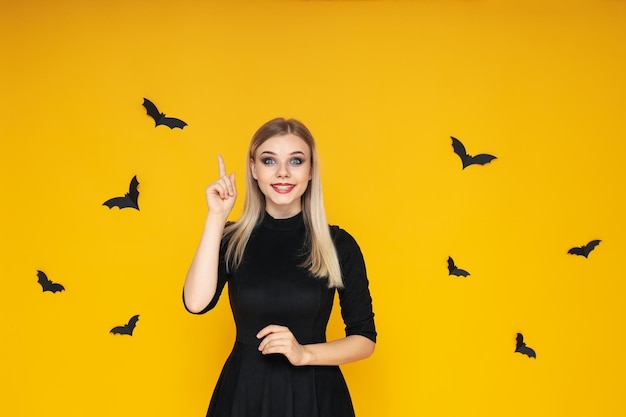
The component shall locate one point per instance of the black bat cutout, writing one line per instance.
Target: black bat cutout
(130, 199)
(466, 159)
(159, 118)
(128, 327)
(48, 285)
(453, 270)
(520, 347)
(584, 250)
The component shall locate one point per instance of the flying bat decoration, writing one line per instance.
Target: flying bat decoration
(453, 270)
(160, 118)
(520, 347)
(127, 328)
(466, 159)
(584, 250)
(130, 199)
(48, 285)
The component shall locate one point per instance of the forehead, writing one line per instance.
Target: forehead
(284, 144)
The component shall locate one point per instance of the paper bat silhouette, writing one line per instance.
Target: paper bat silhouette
(466, 159)
(584, 250)
(521, 347)
(127, 328)
(48, 285)
(453, 270)
(130, 199)
(159, 118)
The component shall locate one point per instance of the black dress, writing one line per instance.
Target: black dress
(269, 288)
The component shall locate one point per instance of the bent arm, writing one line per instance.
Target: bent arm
(338, 352)
(279, 339)
(201, 282)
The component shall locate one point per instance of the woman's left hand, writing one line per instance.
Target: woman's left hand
(279, 339)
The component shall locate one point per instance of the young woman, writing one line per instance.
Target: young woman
(283, 264)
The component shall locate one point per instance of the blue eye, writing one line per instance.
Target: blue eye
(268, 161)
(296, 161)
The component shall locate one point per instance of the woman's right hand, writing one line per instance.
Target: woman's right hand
(221, 194)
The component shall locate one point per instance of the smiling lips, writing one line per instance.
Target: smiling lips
(283, 188)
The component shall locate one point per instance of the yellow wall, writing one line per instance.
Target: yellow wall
(382, 85)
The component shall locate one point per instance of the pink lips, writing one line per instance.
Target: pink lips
(283, 188)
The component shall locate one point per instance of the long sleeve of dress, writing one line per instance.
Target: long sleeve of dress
(355, 299)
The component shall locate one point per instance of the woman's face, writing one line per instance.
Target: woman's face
(282, 168)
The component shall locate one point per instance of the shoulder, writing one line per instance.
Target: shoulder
(339, 234)
(344, 241)
(351, 260)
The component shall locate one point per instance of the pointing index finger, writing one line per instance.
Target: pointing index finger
(221, 166)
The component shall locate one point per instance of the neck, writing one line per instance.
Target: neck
(283, 213)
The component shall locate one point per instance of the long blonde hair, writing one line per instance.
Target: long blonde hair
(322, 260)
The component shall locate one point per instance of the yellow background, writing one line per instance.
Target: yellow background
(382, 85)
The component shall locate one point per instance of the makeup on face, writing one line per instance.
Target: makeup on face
(282, 169)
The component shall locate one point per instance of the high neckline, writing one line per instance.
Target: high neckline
(283, 225)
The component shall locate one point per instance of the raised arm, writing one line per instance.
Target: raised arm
(201, 280)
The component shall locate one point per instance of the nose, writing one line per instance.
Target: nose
(283, 171)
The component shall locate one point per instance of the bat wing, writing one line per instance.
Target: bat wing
(152, 111)
(133, 192)
(172, 122)
(577, 251)
(121, 202)
(591, 245)
(121, 330)
(133, 322)
(521, 347)
(56, 287)
(481, 159)
(43, 280)
(525, 350)
(459, 149)
(460, 272)
(451, 266)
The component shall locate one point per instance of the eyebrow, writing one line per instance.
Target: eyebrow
(274, 153)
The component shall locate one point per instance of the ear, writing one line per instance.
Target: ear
(253, 168)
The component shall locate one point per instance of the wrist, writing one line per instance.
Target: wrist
(308, 355)
(216, 219)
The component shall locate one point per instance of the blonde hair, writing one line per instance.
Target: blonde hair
(322, 260)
